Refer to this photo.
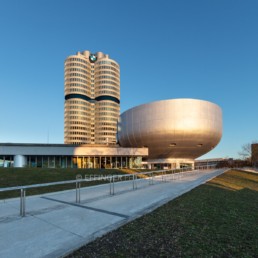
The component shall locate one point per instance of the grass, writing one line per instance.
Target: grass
(217, 219)
(28, 176)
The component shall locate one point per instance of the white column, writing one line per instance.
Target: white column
(19, 161)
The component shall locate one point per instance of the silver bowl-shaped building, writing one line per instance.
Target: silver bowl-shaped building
(173, 130)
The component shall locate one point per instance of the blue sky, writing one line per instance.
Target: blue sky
(166, 49)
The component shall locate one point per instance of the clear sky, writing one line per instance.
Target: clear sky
(166, 49)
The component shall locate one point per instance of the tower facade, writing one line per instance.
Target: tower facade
(92, 99)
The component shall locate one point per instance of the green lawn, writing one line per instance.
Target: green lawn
(28, 176)
(217, 219)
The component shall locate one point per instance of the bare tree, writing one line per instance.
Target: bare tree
(246, 151)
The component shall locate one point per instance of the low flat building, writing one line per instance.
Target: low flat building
(212, 163)
(70, 156)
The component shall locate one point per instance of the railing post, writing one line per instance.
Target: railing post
(78, 192)
(110, 185)
(79, 199)
(113, 185)
(165, 176)
(78, 188)
(22, 202)
(168, 177)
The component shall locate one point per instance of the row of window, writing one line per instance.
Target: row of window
(103, 105)
(68, 70)
(106, 67)
(77, 85)
(107, 114)
(105, 124)
(72, 59)
(106, 133)
(75, 80)
(78, 133)
(104, 140)
(79, 107)
(107, 103)
(78, 123)
(108, 109)
(107, 82)
(109, 117)
(68, 85)
(82, 113)
(107, 129)
(70, 108)
(85, 139)
(76, 64)
(69, 117)
(107, 62)
(107, 92)
(80, 102)
(107, 87)
(78, 90)
(106, 119)
(79, 75)
(75, 131)
(106, 77)
(107, 72)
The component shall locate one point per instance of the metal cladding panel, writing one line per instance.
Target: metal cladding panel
(71, 151)
(35, 150)
(177, 128)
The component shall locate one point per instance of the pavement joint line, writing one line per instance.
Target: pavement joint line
(55, 225)
(88, 208)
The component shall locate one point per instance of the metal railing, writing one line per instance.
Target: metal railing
(112, 179)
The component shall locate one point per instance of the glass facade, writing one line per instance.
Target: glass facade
(6, 161)
(97, 162)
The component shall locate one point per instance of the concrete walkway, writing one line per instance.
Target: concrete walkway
(55, 225)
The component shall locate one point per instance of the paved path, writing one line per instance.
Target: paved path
(55, 225)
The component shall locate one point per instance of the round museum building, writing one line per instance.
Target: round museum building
(176, 131)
